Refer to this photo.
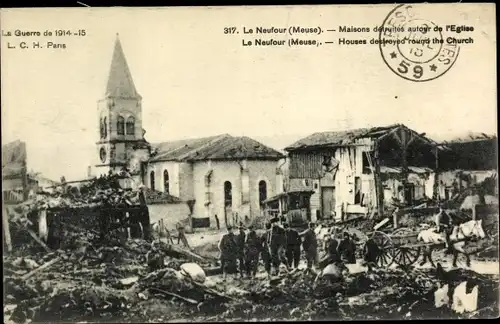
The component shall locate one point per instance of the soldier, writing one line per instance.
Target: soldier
(154, 257)
(252, 249)
(144, 217)
(228, 252)
(371, 253)
(266, 255)
(310, 245)
(240, 246)
(293, 246)
(277, 245)
(182, 236)
(347, 249)
(332, 254)
(444, 223)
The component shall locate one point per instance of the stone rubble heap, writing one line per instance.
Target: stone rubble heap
(116, 281)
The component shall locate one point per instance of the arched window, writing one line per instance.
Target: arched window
(130, 125)
(105, 125)
(166, 184)
(152, 180)
(120, 126)
(262, 191)
(228, 194)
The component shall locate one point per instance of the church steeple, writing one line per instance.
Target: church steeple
(120, 117)
(120, 83)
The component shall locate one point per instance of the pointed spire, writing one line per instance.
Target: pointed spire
(120, 83)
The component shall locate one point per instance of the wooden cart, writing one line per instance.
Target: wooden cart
(401, 247)
(398, 247)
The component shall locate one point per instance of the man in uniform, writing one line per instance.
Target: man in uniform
(310, 245)
(347, 249)
(240, 246)
(228, 252)
(182, 236)
(144, 214)
(293, 246)
(252, 249)
(332, 254)
(155, 257)
(277, 245)
(444, 225)
(266, 255)
(371, 253)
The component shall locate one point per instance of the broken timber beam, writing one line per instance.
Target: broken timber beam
(6, 228)
(381, 224)
(212, 271)
(435, 188)
(189, 300)
(40, 268)
(38, 240)
(189, 254)
(212, 292)
(350, 220)
(378, 181)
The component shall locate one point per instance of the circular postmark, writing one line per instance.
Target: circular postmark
(413, 46)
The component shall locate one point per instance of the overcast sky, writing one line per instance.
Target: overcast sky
(196, 81)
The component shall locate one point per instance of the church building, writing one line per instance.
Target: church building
(222, 175)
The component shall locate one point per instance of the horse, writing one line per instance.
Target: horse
(277, 246)
(460, 234)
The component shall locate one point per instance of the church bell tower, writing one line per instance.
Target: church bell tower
(119, 118)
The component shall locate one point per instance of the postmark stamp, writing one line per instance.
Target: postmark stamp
(413, 46)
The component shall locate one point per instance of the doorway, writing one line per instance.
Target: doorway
(228, 203)
(409, 191)
(328, 201)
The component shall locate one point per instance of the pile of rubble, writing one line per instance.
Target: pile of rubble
(118, 280)
(90, 275)
(382, 294)
(126, 280)
(86, 280)
(97, 192)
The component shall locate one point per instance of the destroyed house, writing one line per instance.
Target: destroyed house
(15, 181)
(360, 171)
(473, 152)
(470, 161)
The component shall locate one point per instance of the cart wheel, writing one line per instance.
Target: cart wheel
(384, 242)
(402, 231)
(406, 256)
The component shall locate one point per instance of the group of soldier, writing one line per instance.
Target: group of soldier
(280, 244)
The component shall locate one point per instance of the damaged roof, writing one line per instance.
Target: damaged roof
(340, 138)
(220, 147)
(470, 137)
(347, 137)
